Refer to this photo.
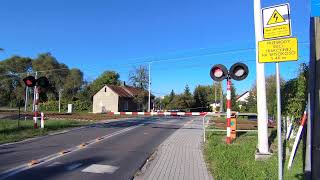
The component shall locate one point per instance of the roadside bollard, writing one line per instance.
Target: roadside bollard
(35, 125)
(42, 120)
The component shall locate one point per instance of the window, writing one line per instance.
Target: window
(105, 89)
(126, 105)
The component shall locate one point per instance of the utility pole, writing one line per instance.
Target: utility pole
(36, 103)
(221, 97)
(26, 103)
(263, 146)
(60, 91)
(149, 100)
(215, 95)
(26, 99)
(34, 94)
(314, 90)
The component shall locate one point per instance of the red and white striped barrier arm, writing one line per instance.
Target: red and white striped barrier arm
(159, 113)
(296, 142)
(228, 140)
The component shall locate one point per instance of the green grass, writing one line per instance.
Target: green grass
(237, 161)
(10, 132)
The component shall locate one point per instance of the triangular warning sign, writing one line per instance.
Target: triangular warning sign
(276, 18)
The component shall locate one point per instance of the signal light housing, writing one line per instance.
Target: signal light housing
(219, 72)
(239, 71)
(43, 82)
(30, 81)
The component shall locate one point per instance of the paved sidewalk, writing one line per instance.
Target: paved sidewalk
(179, 157)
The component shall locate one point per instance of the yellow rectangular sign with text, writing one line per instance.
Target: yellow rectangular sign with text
(279, 50)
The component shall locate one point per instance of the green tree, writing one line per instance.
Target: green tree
(234, 103)
(186, 99)
(73, 83)
(172, 95)
(47, 65)
(139, 77)
(106, 78)
(201, 98)
(142, 99)
(12, 86)
(294, 93)
(251, 105)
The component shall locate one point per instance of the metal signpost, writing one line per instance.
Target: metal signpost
(276, 24)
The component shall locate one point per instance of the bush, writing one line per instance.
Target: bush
(78, 106)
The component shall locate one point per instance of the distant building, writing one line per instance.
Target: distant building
(215, 106)
(117, 99)
(243, 98)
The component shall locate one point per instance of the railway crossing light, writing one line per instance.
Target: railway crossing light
(30, 81)
(43, 82)
(239, 71)
(219, 72)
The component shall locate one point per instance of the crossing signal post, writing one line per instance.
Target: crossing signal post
(41, 82)
(219, 72)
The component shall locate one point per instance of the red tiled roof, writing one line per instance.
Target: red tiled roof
(125, 91)
(134, 91)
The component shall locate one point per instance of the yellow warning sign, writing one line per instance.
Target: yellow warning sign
(276, 21)
(276, 31)
(276, 18)
(279, 50)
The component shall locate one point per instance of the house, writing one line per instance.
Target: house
(118, 99)
(243, 98)
(215, 106)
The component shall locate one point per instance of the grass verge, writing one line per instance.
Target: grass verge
(237, 161)
(11, 132)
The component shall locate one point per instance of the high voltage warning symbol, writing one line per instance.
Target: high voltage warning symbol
(276, 18)
(276, 21)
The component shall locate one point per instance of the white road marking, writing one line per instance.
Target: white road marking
(100, 169)
(23, 167)
(73, 166)
(54, 164)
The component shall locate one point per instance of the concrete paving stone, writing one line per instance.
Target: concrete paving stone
(180, 156)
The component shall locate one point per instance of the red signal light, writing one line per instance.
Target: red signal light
(219, 72)
(30, 81)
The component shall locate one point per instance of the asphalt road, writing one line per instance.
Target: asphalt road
(126, 146)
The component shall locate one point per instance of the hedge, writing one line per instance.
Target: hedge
(78, 106)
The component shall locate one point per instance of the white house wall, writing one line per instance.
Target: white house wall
(244, 97)
(105, 101)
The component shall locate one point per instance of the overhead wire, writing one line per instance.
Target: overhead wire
(129, 65)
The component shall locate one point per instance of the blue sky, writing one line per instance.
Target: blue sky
(184, 38)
